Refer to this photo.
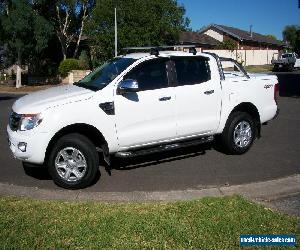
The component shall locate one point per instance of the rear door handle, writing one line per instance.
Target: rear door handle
(209, 92)
(165, 98)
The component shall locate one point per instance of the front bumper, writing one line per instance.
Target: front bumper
(35, 149)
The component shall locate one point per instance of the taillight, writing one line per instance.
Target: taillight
(276, 92)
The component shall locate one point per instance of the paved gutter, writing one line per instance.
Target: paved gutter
(267, 190)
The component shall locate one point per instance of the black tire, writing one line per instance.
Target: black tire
(86, 154)
(230, 132)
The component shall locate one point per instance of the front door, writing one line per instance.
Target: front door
(147, 116)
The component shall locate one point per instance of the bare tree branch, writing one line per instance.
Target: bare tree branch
(66, 30)
(83, 19)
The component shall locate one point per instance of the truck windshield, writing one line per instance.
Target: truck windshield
(105, 73)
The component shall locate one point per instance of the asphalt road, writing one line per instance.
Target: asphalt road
(275, 155)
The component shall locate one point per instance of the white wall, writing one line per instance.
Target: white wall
(248, 57)
(76, 75)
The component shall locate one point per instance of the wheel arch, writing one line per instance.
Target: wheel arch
(250, 109)
(87, 130)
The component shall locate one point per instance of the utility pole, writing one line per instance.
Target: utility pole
(116, 33)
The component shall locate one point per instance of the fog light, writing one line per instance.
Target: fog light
(22, 146)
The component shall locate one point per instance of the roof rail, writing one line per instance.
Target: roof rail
(154, 50)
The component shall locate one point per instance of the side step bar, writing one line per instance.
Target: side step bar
(165, 147)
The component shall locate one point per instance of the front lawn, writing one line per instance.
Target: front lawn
(259, 68)
(209, 223)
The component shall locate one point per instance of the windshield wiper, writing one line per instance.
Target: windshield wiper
(90, 87)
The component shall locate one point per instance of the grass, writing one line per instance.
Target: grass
(209, 223)
(259, 68)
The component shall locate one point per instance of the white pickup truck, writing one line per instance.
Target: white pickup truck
(138, 104)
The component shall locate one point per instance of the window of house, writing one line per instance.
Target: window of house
(192, 70)
(150, 75)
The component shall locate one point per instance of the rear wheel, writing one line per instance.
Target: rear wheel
(73, 162)
(239, 133)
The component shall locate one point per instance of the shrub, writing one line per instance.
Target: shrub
(67, 65)
(84, 61)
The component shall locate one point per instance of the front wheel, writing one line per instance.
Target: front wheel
(239, 133)
(73, 162)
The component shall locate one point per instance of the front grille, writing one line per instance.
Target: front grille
(14, 121)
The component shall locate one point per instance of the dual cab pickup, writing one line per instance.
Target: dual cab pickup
(136, 104)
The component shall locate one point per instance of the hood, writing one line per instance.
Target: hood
(38, 101)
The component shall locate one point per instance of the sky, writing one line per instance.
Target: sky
(265, 16)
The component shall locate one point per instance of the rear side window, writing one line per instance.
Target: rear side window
(150, 74)
(192, 70)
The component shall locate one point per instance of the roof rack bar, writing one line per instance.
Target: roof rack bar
(154, 50)
(193, 50)
(160, 47)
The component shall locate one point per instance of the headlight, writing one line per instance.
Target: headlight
(30, 121)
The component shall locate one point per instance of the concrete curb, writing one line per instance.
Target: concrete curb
(267, 190)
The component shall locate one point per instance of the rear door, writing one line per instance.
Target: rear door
(146, 117)
(198, 97)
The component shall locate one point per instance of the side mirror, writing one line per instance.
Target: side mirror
(128, 86)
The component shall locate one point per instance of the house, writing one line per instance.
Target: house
(200, 41)
(243, 39)
(250, 48)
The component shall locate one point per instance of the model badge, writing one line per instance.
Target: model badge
(268, 86)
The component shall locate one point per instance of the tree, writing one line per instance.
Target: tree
(24, 32)
(70, 18)
(271, 36)
(140, 23)
(297, 42)
(228, 44)
(291, 34)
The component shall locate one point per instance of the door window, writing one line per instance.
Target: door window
(150, 75)
(191, 70)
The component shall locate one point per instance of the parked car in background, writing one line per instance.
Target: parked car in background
(287, 61)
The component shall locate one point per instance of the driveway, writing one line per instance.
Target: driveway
(273, 156)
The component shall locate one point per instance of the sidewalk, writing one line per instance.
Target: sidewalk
(259, 191)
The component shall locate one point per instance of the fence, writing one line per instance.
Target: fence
(247, 57)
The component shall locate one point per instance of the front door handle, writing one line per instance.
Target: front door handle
(165, 98)
(209, 92)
